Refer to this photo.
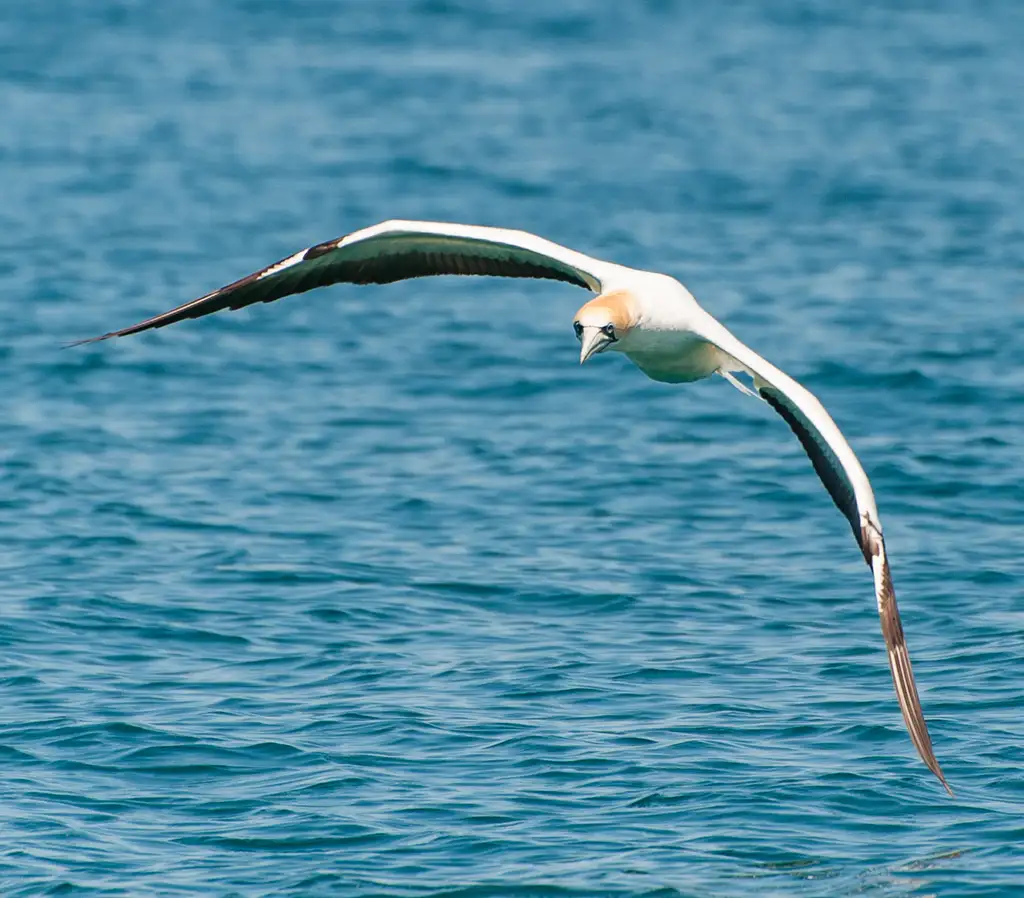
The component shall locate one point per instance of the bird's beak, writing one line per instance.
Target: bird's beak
(593, 341)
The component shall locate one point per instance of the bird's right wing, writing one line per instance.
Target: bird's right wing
(841, 472)
(394, 251)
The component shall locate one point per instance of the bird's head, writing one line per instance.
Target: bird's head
(603, 322)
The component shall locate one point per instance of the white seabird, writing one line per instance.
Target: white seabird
(650, 317)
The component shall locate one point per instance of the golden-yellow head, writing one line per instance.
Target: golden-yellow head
(604, 321)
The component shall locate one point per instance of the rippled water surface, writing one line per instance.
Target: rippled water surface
(376, 591)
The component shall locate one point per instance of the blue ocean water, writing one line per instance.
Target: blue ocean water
(376, 591)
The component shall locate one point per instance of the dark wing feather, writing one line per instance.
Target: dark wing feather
(824, 460)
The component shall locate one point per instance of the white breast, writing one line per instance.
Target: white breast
(673, 357)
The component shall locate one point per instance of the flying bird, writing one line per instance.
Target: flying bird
(651, 318)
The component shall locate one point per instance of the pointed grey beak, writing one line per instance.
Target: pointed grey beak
(593, 341)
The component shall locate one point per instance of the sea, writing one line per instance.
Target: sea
(375, 591)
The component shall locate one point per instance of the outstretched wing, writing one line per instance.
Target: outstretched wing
(848, 485)
(394, 251)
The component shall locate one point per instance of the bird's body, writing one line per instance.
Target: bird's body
(658, 323)
(651, 318)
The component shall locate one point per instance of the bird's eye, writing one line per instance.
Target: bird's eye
(609, 330)
(576, 326)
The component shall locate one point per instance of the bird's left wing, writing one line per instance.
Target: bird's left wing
(848, 485)
(394, 251)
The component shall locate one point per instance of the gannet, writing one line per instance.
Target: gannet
(649, 317)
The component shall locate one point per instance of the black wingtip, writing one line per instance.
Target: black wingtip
(941, 776)
(88, 340)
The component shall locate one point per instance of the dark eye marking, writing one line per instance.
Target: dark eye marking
(576, 326)
(609, 331)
